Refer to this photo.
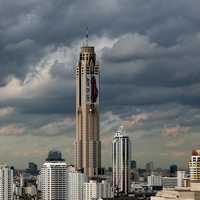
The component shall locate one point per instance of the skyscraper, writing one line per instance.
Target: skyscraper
(121, 150)
(54, 177)
(87, 143)
(6, 183)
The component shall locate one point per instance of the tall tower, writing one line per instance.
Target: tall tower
(121, 150)
(87, 143)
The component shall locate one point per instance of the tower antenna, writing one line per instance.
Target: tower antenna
(87, 36)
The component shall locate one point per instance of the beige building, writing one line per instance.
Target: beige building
(87, 143)
(177, 194)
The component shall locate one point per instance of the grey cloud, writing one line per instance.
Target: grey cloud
(155, 74)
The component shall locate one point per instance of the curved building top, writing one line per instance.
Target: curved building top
(196, 152)
(87, 49)
(54, 156)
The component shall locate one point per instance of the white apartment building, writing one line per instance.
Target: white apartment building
(94, 190)
(54, 178)
(181, 175)
(6, 183)
(121, 153)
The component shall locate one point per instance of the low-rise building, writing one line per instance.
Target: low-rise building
(169, 182)
(177, 194)
(154, 180)
(95, 190)
(181, 175)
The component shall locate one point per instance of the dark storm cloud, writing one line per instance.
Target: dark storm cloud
(155, 59)
(153, 73)
(28, 27)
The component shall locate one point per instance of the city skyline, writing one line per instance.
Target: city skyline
(149, 77)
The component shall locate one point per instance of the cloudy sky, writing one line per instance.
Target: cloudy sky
(150, 76)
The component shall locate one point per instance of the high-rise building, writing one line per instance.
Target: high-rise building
(121, 150)
(54, 177)
(96, 190)
(87, 143)
(6, 183)
(75, 181)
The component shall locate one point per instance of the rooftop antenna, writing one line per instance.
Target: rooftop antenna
(120, 131)
(87, 36)
(121, 128)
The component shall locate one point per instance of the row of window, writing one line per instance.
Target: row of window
(87, 56)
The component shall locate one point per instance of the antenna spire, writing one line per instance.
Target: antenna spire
(87, 36)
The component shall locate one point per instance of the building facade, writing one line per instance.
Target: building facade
(121, 153)
(87, 143)
(6, 183)
(54, 178)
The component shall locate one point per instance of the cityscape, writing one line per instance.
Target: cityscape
(99, 100)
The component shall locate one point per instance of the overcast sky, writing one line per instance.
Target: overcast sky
(148, 51)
